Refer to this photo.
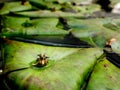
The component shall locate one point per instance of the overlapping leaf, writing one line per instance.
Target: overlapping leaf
(67, 67)
(25, 26)
(104, 77)
(57, 9)
(48, 13)
(14, 6)
(92, 31)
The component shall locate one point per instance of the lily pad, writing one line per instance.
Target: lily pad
(24, 26)
(45, 4)
(67, 68)
(48, 13)
(105, 76)
(92, 31)
(66, 10)
(66, 6)
(14, 6)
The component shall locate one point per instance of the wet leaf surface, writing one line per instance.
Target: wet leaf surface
(64, 65)
(105, 76)
(64, 31)
(14, 6)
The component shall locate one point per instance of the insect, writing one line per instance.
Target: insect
(41, 61)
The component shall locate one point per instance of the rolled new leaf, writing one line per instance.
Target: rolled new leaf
(67, 68)
(48, 13)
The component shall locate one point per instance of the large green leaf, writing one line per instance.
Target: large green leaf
(105, 76)
(45, 4)
(86, 9)
(114, 25)
(66, 6)
(68, 11)
(25, 26)
(14, 6)
(92, 31)
(67, 68)
(44, 26)
(13, 21)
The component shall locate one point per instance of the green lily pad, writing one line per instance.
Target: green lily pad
(69, 11)
(66, 6)
(25, 26)
(14, 6)
(67, 68)
(114, 25)
(105, 76)
(13, 22)
(87, 9)
(92, 31)
(44, 26)
(45, 4)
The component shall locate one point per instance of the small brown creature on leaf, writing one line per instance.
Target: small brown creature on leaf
(41, 61)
